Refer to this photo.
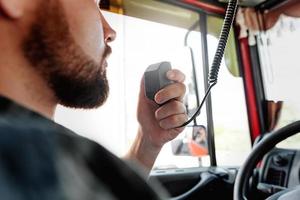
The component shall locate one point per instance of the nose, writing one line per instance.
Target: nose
(109, 33)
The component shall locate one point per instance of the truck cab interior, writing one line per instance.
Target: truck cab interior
(249, 120)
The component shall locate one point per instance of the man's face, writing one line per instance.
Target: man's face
(67, 45)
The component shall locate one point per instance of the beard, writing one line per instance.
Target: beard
(76, 80)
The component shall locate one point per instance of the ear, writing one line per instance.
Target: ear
(12, 8)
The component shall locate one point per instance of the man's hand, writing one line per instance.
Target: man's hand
(159, 124)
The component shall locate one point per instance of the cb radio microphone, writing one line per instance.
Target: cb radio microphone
(156, 78)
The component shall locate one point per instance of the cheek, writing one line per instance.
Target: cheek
(85, 26)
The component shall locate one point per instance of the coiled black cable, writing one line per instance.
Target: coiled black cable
(213, 75)
(229, 18)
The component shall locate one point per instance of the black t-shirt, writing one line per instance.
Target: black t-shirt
(41, 160)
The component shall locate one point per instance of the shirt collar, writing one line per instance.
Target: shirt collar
(9, 107)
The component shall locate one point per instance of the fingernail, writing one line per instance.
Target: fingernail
(170, 75)
(157, 100)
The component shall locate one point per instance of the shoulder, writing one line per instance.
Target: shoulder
(77, 167)
(102, 167)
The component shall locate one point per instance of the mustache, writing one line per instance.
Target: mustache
(107, 52)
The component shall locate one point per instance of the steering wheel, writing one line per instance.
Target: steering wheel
(263, 147)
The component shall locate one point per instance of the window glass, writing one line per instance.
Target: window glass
(279, 54)
(232, 138)
(151, 43)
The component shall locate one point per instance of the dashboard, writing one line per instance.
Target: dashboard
(281, 168)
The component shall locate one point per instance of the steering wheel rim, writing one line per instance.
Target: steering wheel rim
(257, 153)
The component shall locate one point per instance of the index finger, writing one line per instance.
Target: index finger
(175, 75)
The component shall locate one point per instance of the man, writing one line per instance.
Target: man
(54, 52)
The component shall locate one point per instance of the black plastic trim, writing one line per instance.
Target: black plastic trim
(208, 103)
